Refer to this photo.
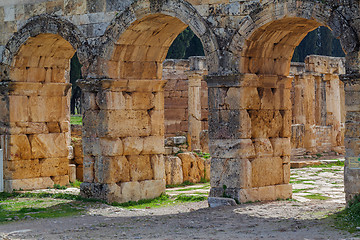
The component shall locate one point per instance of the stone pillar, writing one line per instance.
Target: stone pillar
(35, 127)
(249, 131)
(352, 135)
(123, 139)
(195, 76)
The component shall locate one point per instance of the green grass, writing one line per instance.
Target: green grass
(316, 196)
(17, 206)
(184, 184)
(75, 184)
(338, 163)
(163, 200)
(349, 218)
(76, 120)
(301, 190)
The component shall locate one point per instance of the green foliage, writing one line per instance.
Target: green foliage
(75, 184)
(320, 42)
(203, 155)
(317, 196)
(57, 186)
(186, 183)
(187, 44)
(163, 200)
(76, 120)
(329, 165)
(349, 218)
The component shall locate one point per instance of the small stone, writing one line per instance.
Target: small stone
(219, 201)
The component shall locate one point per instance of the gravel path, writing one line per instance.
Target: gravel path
(304, 218)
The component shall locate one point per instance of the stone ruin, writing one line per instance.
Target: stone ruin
(122, 46)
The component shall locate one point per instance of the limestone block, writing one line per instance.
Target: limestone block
(220, 202)
(153, 145)
(54, 167)
(158, 166)
(267, 98)
(111, 100)
(263, 147)
(286, 172)
(201, 166)
(281, 146)
(36, 128)
(28, 184)
(152, 188)
(267, 193)
(266, 123)
(157, 122)
(78, 150)
(266, 171)
(242, 98)
(52, 145)
(91, 146)
(21, 169)
(232, 148)
(133, 145)
(130, 191)
(245, 129)
(207, 169)
(248, 195)
(133, 123)
(19, 108)
(140, 101)
(111, 147)
(72, 172)
(140, 168)
(65, 126)
(48, 109)
(189, 166)
(174, 171)
(112, 169)
(19, 148)
(233, 173)
(61, 180)
(53, 127)
(80, 173)
(283, 191)
(88, 169)
(286, 124)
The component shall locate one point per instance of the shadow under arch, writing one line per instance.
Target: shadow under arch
(140, 36)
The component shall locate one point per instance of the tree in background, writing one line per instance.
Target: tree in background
(319, 42)
(75, 74)
(187, 44)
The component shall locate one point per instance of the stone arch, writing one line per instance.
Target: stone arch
(267, 37)
(144, 32)
(35, 103)
(44, 25)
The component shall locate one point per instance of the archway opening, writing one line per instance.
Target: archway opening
(266, 61)
(38, 109)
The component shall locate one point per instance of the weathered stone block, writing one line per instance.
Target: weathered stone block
(153, 145)
(112, 147)
(52, 145)
(133, 145)
(61, 180)
(19, 148)
(130, 191)
(53, 127)
(152, 188)
(281, 146)
(232, 148)
(140, 168)
(19, 108)
(283, 191)
(263, 147)
(21, 169)
(233, 173)
(174, 170)
(158, 166)
(266, 171)
(72, 172)
(54, 167)
(112, 170)
(28, 184)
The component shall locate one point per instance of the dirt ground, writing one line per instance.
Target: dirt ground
(303, 218)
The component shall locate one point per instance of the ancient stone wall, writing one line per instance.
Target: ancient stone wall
(122, 45)
(318, 106)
